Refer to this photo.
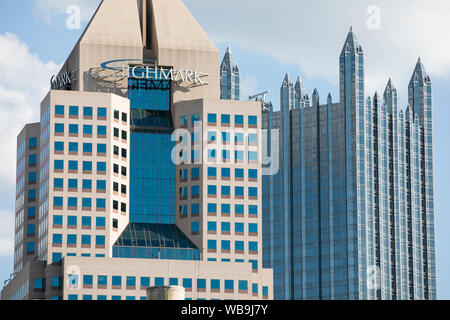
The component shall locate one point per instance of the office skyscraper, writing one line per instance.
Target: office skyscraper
(105, 207)
(230, 78)
(350, 213)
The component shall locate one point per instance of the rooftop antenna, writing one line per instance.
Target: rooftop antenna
(261, 97)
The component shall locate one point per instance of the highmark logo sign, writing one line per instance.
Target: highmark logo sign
(131, 68)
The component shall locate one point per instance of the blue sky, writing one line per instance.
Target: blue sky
(268, 38)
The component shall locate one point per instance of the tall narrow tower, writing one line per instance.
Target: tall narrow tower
(230, 78)
(420, 99)
(351, 67)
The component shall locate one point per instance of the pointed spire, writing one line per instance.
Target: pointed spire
(287, 79)
(351, 43)
(300, 89)
(315, 98)
(419, 73)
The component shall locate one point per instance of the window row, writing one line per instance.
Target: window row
(73, 222)
(239, 246)
(86, 147)
(84, 240)
(86, 166)
(225, 192)
(225, 120)
(225, 137)
(74, 112)
(225, 174)
(225, 155)
(225, 210)
(72, 185)
(73, 202)
(134, 283)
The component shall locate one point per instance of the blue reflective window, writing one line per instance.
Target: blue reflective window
(212, 226)
(59, 164)
(253, 156)
(212, 190)
(225, 226)
(195, 173)
(72, 221)
(87, 184)
(253, 120)
(87, 166)
(73, 110)
(239, 191)
(101, 203)
(187, 283)
(100, 221)
(73, 165)
(212, 172)
(57, 238)
(87, 147)
(101, 112)
(101, 148)
(243, 285)
(86, 221)
(116, 280)
(253, 227)
(101, 184)
(212, 208)
(59, 127)
(212, 118)
(253, 173)
(225, 208)
(212, 244)
(86, 239)
(225, 244)
(101, 130)
(201, 283)
(59, 146)
(73, 184)
(239, 227)
(226, 172)
(239, 245)
(73, 128)
(239, 209)
(239, 137)
(73, 147)
(252, 209)
(58, 220)
(239, 173)
(215, 284)
(87, 111)
(253, 246)
(239, 120)
(31, 212)
(131, 281)
(72, 202)
(102, 280)
(58, 201)
(59, 110)
(159, 281)
(145, 282)
(87, 129)
(252, 192)
(195, 208)
(101, 166)
(195, 227)
(226, 119)
(229, 284)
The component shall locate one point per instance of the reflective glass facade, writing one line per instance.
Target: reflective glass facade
(230, 78)
(350, 213)
(152, 173)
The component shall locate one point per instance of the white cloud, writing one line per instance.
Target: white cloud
(47, 10)
(6, 233)
(310, 34)
(24, 81)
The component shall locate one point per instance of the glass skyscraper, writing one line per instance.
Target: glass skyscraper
(350, 213)
(230, 77)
